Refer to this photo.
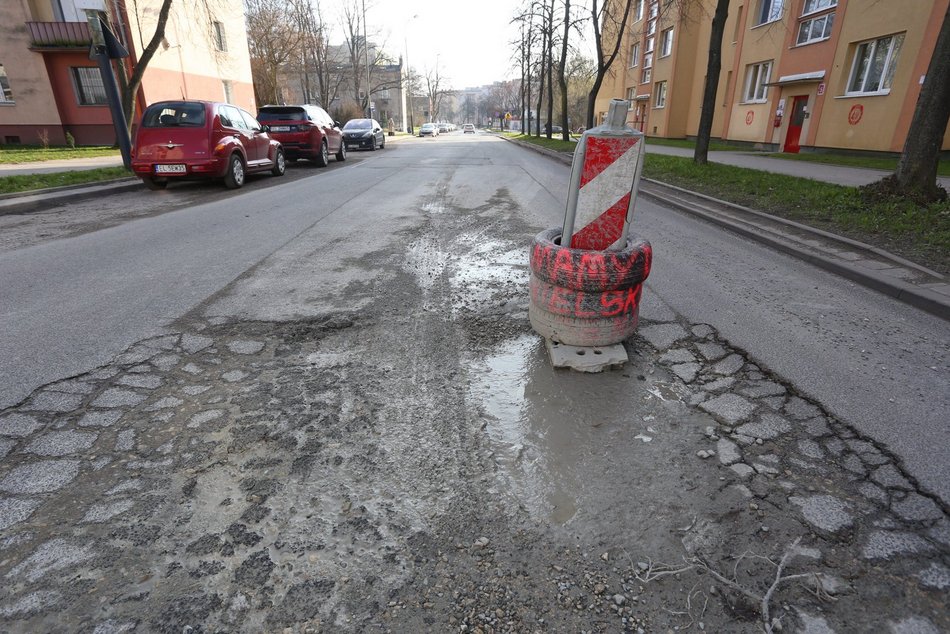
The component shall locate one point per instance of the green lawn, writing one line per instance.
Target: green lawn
(921, 234)
(31, 154)
(714, 146)
(27, 182)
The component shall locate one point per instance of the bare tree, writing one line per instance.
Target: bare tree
(608, 23)
(562, 71)
(713, 67)
(272, 40)
(436, 90)
(130, 87)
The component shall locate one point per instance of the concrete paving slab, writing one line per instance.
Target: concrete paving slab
(585, 359)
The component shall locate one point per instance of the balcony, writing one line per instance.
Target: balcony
(58, 35)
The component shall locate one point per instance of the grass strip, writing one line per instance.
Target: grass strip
(920, 234)
(32, 154)
(27, 182)
(714, 146)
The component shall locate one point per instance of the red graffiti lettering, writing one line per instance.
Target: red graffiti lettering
(591, 265)
(558, 301)
(612, 301)
(563, 268)
(579, 311)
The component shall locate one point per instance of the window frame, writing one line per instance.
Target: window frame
(659, 94)
(634, 55)
(806, 12)
(639, 11)
(6, 92)
(888, 68)
(767, 12)
(810, 21)
(666, 42)
(755, 81)
(220, 36)
(646, 75)
(82, 90)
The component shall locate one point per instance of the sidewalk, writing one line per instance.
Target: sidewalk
(62, 165)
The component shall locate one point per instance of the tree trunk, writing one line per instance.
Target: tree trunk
(550, 55)
(544, 44)
(128, 95)
(562, 72)
(916, 173)
(604, 62)
(713, 66)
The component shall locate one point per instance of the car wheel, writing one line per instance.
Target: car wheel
(234, 179)
(383, 144)
(280, 164)
(373, 145)
(155, 184)
(323, 158)
(341, 155)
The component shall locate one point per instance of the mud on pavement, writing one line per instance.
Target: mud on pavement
(414, 464)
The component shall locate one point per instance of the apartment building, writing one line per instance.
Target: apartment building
(51, 87)
(796, 74)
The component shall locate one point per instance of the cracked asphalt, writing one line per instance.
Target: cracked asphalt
(391, 451)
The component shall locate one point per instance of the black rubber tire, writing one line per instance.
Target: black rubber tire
(341, 155)
(585, 270)
(155, 184)
(323, 158)
(383, 145)
(280, 164)
(569, 302)
(583, 332)
(234, 178)
(372, 147)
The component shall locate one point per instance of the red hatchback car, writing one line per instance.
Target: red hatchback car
(202, 139)
(305, 132)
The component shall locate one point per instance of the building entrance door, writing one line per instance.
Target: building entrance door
(795, 124)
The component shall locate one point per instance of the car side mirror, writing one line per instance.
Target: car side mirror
(337, 124)
(265, 128)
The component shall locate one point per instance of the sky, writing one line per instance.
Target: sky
(468, 40)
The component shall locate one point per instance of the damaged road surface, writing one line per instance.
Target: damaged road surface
(358, 431)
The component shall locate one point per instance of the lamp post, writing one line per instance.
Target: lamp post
(369, 94)
(407, 90)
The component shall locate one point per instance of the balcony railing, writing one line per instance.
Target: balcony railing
(46, 35)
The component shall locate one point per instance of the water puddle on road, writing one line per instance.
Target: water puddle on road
(536, 433)
(486, 273)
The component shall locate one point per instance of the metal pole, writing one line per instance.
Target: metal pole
(369, 95)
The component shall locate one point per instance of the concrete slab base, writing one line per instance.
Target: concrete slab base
(584, 359)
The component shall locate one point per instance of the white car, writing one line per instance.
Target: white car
(429, 129)
(467, 128)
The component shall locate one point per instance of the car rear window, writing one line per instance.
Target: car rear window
(282, 114)
(173, 115)
(358, 124)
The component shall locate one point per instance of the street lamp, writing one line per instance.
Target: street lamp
(408, 79)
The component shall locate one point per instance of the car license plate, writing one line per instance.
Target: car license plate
(280, 128)
(170, 169)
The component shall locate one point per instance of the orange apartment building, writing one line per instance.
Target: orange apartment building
(49, 86)
(797, 75)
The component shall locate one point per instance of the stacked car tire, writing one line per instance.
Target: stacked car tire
(586, 298)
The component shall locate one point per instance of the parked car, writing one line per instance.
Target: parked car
(202, 139)
(443, 127)
(468, 128)
(553, 130)
(364, 134)
(429, 129)
(304, 131)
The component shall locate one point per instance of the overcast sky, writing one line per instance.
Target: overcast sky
(470, 41)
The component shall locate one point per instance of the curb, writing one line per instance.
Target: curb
(33, 200)
(921, 298)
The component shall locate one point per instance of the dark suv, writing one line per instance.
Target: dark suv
(183, 139)
(305, 132)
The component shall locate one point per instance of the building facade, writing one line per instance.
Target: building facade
(797, 75)
(51, 87)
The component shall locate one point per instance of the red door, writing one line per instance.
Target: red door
(795, 124)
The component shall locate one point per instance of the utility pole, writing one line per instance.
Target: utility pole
(369, 94)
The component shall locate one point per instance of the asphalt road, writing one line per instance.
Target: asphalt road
(71, 304)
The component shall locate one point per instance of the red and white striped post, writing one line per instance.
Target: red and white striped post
(604, 180)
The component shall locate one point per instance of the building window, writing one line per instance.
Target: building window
(654, 9)
(769, 11)
(814, 6)
(651, 27)
(89, 88)
(648, 60)
(646, 75)
(634, 55)
(666, 42)
(228, 91)
(6, 95)
(816, 30)
(220, 42)
(660, 90)
(639, 11)
(650, 43)
(631, 93)
(874, 64)
(757, 76)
